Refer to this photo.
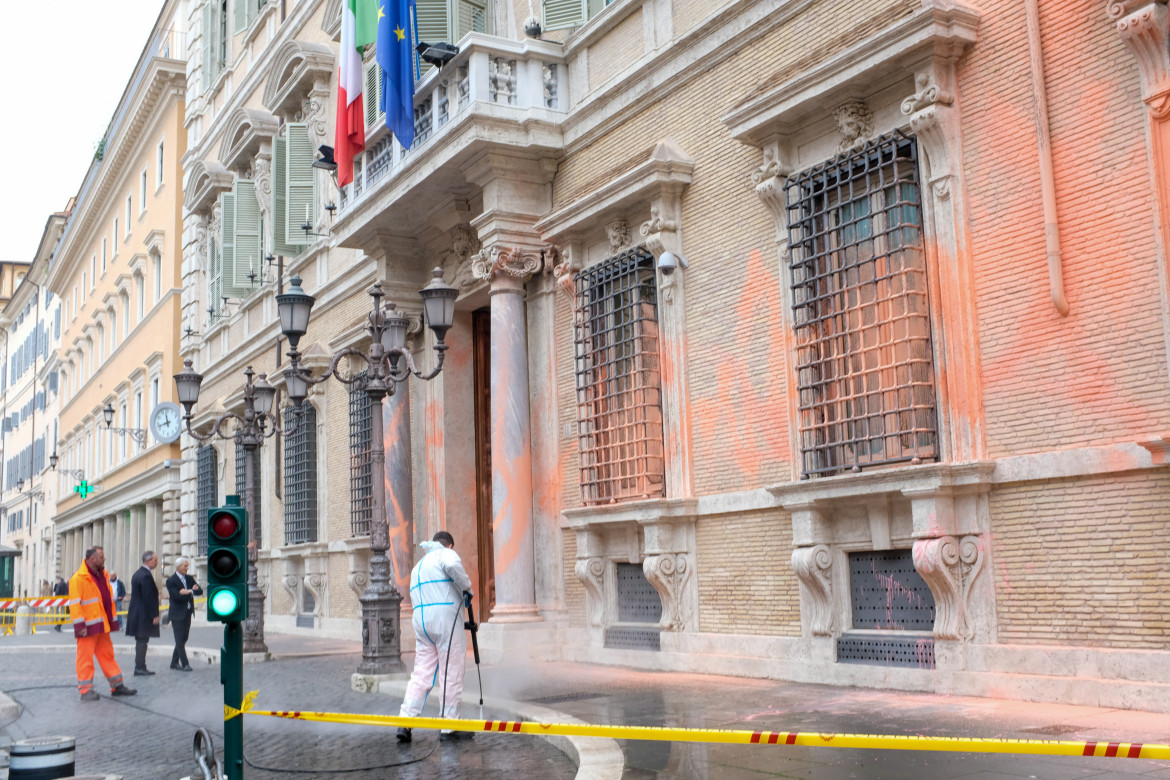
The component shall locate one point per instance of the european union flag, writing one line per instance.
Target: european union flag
(395, 54)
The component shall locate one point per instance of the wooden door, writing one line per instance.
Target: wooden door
(481, 325)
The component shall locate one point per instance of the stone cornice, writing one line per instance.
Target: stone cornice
(148, 485)
(939, 30)
(243, 133)
(207, 179)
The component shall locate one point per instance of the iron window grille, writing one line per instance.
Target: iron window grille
(360, 472)
(619, 396)
(207, 492)
(865, 373)
(300, 476)
(256, 516)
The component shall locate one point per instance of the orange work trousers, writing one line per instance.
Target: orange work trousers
(103, 647)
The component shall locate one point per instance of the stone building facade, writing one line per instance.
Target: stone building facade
(793, 339)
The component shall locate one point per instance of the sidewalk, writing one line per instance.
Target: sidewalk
(563, 692)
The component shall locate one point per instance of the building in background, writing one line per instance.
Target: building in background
(31, 325)
(116, 272)
(789, 342)
(13, 535)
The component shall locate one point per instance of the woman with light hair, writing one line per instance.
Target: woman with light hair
(182, 589)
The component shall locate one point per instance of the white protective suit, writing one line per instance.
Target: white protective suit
(436, 593)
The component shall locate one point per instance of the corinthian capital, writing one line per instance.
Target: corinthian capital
(510, 262)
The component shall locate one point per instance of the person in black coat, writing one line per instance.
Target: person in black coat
(182, 589)
(142, 616)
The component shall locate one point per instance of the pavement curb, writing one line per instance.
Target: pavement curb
(596, 758)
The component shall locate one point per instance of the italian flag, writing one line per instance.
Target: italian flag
(359, 26)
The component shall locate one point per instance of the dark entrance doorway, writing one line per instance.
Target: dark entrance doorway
(481, 326)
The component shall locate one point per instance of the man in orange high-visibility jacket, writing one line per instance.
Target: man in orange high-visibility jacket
(91, 608)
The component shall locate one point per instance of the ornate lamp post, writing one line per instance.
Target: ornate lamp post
(388, 362)
(252, 427)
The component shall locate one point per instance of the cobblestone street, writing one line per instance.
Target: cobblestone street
(149, 736)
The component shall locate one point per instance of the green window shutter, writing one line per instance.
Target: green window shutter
(301, 181)
(240, 8)
(207, 75)
(246, 241)
(280, 245)
(559, 14)
(215, 277)
(431, 25)
(470, 16)
(227, 242)
(372, 95)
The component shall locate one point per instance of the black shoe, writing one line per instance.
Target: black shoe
(142, 672)
(90, 695)
(184, 668)
(455, 736)
(122, 690)
(403, 735)
(176, 666)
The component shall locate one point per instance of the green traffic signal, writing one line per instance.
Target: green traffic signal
(227, 562)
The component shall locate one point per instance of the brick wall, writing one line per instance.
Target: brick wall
(1083, 561)
(1098, 375)
(574, 590)
(745, 578)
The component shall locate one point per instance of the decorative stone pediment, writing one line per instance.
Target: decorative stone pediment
(295, 67)
(206, 180)
(247, 129)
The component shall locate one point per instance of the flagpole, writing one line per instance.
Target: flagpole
(414, 40)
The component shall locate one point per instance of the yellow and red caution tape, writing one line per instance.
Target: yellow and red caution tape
(726, 736)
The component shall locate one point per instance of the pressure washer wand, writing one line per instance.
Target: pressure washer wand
(473, 627)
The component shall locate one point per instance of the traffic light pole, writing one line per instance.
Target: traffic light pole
(231, 674)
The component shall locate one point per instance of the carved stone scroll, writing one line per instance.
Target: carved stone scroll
(591, 572)
(950, 567)
(1145, 28)
(813, 567)
(504, 261)
(669, 575)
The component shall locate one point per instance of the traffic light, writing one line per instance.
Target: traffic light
(227, 562)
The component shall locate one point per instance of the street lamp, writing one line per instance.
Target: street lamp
(388, 362)
(252, 427)
(77, 474)
(137, 434)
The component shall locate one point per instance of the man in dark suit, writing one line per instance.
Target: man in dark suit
(182, 589)
(142, 617)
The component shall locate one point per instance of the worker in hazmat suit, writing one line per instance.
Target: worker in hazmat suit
(439, 589)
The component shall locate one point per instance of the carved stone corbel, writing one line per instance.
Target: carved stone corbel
(358, 581)
(591, 572)
(317, 583)
(769, 179)
(950, 567)
(1144, 25)
(935, 122)
(669, 575)
(814, 568)
(661, 234)
(314, 113)
(292, 583)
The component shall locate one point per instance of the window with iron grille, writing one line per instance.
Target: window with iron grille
(241, 465)
(360, 485)
(207, 496)
(619, 397)
(300, 476)
(865, 373)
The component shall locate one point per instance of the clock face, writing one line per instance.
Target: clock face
(166, 422)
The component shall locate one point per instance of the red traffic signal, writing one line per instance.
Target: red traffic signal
(225, 525)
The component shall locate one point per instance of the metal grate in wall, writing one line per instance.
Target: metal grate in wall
(207, 490)
(360, 485)
(619, 403)
(888, 593)
(626, 638)
(914, 652)
(637, 601)
(300, 476)
(865, 375)
(255, 519)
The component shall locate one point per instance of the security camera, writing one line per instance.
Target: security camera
(167, 463)
(668, 261)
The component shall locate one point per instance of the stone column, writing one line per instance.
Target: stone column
(171, 528)
(508, 270)
(109, 542)
(135, 536)
(87, 536)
